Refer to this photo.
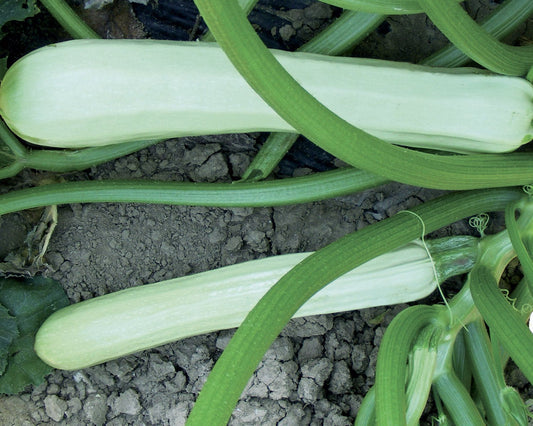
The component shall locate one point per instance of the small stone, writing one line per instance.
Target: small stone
(311, 348)
(317, 369)
(213, 169)
(359, 358)
(308, 390)
(335, 419)
(127, 403)
(53, 389)
(74, 405)
(286, 32)
(341, 379)
(318, 10)
(177, 415)
(223, 338)
(200, 153)
(160, 368)
(95, 409)
(55, 407)
(233, 243)
(257, 241)
(281, 349)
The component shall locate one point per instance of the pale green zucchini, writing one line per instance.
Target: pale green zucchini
(113, 325)
(90, 92)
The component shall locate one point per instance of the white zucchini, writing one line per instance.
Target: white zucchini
(113, 325)
(95, 92)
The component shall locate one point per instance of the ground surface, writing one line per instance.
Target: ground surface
(320, 367)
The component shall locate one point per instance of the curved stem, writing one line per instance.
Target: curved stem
(514, 234)
(348, 30)
(457, 400)
(359, 149)
(503, 320)
(246, 5)
(490, 381)
(475, 42)
(66, 160)
(366, 416)
(391, 368)
(270, 193)
(11, 141)
(499, 24)
(422, 363)
(11, 170)
(262, 325)
(344, 34)
(68, 19)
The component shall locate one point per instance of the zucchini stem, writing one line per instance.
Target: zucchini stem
(69, 19)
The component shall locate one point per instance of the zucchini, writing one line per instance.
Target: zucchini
(89, 92)
(127, 321)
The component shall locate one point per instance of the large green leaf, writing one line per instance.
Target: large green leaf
(28, 302)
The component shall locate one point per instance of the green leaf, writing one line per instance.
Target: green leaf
(16, 10)
(29, 302)
(8, 332)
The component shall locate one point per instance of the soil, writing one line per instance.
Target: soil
(319, 368)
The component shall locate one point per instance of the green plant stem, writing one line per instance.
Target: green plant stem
(499, 24)
(504, 322)
(514, 233)
(359, 149)
(269, 316)
(523, 299)
(60, 160)
(457, 400)
(447, 386)
(348, 30)
(10, 140)
(261, 194)
(344, 33)
(269, 156)
(68, 19)
(442, 419)
(475, 42)
(71, 160)
(246, 5)
(422, 362)
(523, 303)
(489, 380)
(391, 368)
(460, 365)
(11, 170)
(366, 416)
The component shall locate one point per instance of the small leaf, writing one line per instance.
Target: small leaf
(29, 302)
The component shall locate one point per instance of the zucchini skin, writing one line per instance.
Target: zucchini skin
(128, 321)
(84, 93)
